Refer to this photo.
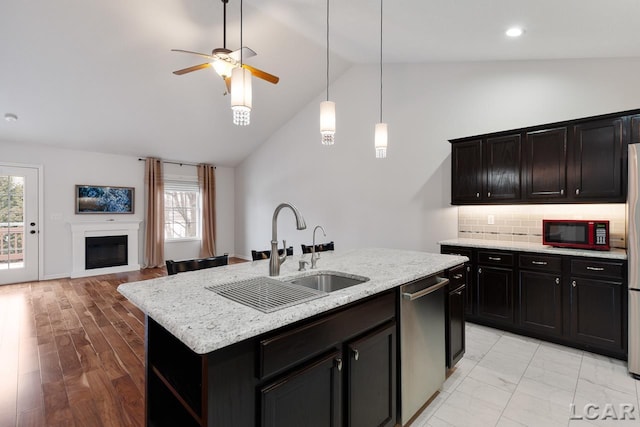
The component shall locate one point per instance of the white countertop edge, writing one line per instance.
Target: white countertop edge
(205, 321)
(614, 253)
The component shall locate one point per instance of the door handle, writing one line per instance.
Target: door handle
(356, 354)
(338, 363)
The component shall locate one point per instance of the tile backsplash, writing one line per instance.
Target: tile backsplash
(523, 223)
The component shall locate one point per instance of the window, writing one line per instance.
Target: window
(182, 210)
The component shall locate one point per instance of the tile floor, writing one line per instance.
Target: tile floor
(508, 380)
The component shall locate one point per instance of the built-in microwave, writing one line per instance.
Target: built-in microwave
(579, 234)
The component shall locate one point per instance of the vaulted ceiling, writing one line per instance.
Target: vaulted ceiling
(96, 75)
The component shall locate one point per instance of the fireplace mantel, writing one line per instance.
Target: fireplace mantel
(82, 229)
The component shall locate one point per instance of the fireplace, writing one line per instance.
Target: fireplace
(104, 247)
(105, 251)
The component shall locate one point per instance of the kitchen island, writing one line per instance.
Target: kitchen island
(212, 361)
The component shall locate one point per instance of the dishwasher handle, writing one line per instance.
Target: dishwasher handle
(442, 282)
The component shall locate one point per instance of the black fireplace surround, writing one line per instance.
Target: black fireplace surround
(105, 251)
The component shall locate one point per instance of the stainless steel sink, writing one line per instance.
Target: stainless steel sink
(328, 281)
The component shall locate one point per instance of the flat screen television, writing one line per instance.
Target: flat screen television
(97, 199)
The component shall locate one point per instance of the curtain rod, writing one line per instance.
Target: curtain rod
(172, 162)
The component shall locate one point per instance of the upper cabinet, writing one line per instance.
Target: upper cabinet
(581, 161)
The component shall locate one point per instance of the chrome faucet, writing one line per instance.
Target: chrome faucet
(275, 260)
(314, 255)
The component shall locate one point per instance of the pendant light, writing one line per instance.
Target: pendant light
(381, 129)
(328, 108)
(241, 88)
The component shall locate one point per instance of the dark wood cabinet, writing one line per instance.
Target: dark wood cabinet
(502, 167)
(597, 161)
(469, 277)
(495, 287)
(599, 304)
(309, 396)
(575, 301)
(545, 164)
(371, 385)
(334, 369)
(455, 318)
(466, 172)
(577, 161)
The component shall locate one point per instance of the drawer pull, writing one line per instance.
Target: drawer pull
(539, 262)
(356, 354)
(338, 363)
(495, 258)
(457, 276)
(595, 268)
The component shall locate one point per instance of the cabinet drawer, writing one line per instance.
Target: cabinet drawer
(495, 258)
(551, 264)
(287, 349)
(457, 276)
(456, 250)
(597, 268)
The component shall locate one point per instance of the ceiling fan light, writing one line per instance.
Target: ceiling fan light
(380, 140)
(223, 68)
(241, 96)
(328, 122)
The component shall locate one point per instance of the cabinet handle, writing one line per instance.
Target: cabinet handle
(495, 258)
(356, 354)
(458, 292)
(338, 363)
(577, 191)
(477, 195)
(479, 271)
(557, 280)
(595, 268)
(457, 276)
(468, 268)
(573, 283)
(489, 194)
(562, 192)
(539, 262)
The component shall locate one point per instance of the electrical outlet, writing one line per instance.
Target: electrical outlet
(491, 219)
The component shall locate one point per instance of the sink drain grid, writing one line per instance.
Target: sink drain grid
(265, 294)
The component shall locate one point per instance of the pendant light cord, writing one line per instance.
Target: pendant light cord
(380, 61)
(241, 48)
(327, 50)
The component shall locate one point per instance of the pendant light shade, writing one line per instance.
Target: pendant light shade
(328, 108)
(380, 140)
(328, 122)
(381, 136)
(241, 96)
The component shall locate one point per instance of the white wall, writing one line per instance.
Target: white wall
(403, 201)
(63, 169)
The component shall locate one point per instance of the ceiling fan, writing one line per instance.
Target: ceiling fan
(223, 60)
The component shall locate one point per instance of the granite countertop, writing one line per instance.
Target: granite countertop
(206, 321)
(614, 253)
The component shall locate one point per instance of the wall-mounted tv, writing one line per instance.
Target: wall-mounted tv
(96, 199)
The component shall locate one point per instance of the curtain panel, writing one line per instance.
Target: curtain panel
(154, 213)
(207, 182)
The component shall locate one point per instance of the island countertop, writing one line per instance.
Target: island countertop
(206, 321)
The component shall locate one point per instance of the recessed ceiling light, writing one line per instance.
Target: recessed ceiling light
(10, 117)
(514, 32)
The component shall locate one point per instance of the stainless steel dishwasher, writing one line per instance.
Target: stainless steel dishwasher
(422, 342)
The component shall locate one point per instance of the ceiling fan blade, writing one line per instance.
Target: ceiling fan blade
(193, 53)
(190, 69)
(262, 74)
(246, 53)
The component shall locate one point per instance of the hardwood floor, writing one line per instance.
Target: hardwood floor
(72, 352)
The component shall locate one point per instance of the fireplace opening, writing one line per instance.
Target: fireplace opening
(105, 251)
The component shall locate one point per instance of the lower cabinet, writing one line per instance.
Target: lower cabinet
(309, 396)
(575, 301)
(455, 316)
(336, 369)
